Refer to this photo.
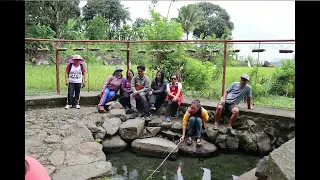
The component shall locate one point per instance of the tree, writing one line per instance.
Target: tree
(137, 28)
(218, 20)
(114, 12)
(53, 14)
(96, 28)
(154, 3)
(190, 17)
(72, 30)
(170, 7)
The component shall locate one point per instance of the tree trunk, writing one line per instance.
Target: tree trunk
(187, 35)
(169, 9)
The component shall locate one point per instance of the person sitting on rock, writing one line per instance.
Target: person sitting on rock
(174, 97)
(231, 98)
(140, 85)
(157, 92)
(110, 88)
(126, 90)
(34, 170)
(195, 118)
(75, 76)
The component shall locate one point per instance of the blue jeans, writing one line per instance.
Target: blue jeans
(195, 126)
(106, 96)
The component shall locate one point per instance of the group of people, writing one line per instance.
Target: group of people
(131, 88)
(138, 87)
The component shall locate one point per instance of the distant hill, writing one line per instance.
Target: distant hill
(276, 62)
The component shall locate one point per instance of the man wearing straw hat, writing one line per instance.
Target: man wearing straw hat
(75, 76)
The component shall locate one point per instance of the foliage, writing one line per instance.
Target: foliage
(72, 30)
(190, 17)
(218, 21)
(53, 14)
(114, 12)
(96, 28)
(39, 31)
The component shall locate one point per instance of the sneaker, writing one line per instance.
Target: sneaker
(167, 119)
(176, 114)
(152, 107)
(143, 114)
(78, 106)
(68, 106)
(215, 126)
(147, 116)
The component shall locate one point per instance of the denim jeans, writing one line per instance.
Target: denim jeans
(195, 126)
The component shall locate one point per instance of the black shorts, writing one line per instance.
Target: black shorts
(228, 107)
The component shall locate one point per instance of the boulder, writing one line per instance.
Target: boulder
(131, 129)
(112, 125)
(113, 144)
(205, 150)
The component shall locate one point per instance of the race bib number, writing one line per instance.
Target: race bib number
(75, 76)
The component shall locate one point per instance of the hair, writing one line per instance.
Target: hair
(197, 103)
(115, 73)
(174, 74)
(162, 76)
(142, 67)
(130, 71)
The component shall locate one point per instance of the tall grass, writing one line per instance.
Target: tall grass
(42, 80)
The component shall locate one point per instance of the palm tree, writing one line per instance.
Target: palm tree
(190, 17)
(170, 7)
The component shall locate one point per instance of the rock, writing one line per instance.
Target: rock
(246, 142)
(112, 125)
(130, 130)
(291, 135)
(155, 122)
(250, 175)
(49, 169)
(154, 146)
(83, 172)
(212, 134)
(113, 144)
(263, 143)
(115, 105)
(85, 153)
(150, 132)
(211, 116)
(52, 139)
(57, 158)
(205, 150)
(166, 125)
(92, 127)
(279, 142)
(177, 127)
(250, 123)
(281, 163)
(262, 168)
(221, 141)
(120, 113)
(170, 134)
(162, 110)
(232, 142)
(223, 130)
(101, 133)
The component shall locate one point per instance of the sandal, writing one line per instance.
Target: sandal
(189, 141)
(199, 143)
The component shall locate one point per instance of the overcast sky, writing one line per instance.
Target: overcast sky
(252, 20)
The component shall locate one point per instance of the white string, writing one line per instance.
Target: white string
(164, 160)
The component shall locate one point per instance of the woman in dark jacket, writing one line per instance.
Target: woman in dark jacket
(157, 93)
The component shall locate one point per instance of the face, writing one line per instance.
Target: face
(243, 81)
(76, 61)
(193, 108)
(173, 79)
(130, 74)
(159, 76)
(140, 72)
(118, 72)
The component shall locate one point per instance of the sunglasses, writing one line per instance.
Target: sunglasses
(118, 70)
(173, 78)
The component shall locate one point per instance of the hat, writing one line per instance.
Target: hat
(118, 68)
(76, 56)
(245, 76)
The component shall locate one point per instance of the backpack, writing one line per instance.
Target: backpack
(70, 65)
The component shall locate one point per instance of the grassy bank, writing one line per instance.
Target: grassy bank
(42, 80)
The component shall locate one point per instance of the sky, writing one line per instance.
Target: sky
(253, 20)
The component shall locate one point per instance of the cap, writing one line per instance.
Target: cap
(118, 68)
(77, 56)
(245, 76)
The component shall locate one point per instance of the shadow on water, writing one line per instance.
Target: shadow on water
(128, 165)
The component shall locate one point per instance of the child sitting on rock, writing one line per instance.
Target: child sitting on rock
(196, 118)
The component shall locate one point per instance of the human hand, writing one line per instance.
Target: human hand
(150, 92)
(175, 99)
(182, 138)
(67, 82)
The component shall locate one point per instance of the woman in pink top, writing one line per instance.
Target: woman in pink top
(34, 170)
(110, 88)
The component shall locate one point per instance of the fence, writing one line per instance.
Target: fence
(262, 50)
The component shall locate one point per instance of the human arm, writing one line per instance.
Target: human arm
(168, 91)
(223, 99)
(249, 95)
(84, 79)
(146, 85)
(152, 88)
(66, 75)
(175, 98)
(161, 90)
(184, 125)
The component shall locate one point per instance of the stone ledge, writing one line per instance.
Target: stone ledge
(92, 98)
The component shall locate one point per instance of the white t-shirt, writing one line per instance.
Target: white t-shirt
(169, 84)
(75, 75)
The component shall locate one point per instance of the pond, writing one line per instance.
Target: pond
(128, 165)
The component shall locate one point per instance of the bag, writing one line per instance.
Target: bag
(70, 65)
